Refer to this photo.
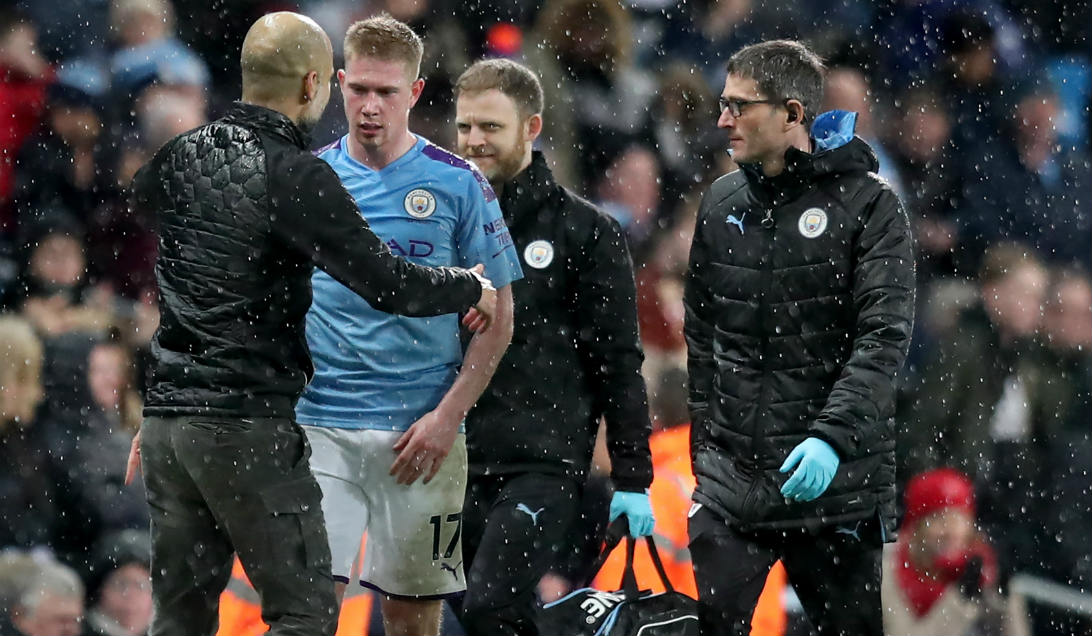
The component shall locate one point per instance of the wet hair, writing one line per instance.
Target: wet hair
(385, 38)
(515, 80)
(783, 70)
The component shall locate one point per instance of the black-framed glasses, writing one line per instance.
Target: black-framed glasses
(736, 106)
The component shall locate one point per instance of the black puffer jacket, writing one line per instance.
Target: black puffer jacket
(799, 305)
(244, 214)
(575, 354)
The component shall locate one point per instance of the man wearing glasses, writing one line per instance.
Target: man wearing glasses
(799, 305)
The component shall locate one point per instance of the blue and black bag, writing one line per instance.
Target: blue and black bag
(629, 611)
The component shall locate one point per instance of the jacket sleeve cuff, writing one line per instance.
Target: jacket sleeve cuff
(631, 484)
(843, 442)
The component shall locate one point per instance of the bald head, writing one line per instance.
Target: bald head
(280, 52)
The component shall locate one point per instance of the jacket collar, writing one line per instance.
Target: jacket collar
(524, 195)
(268, 120)
(838, 150)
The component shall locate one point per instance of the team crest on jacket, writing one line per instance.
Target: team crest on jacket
(813, 222)
(539, 254)
(420, 203)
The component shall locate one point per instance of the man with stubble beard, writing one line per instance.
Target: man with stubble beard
(575, 357)
(245, 213)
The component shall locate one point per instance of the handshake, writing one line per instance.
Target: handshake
(481, 315)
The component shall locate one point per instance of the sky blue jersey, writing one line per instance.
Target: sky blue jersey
(380, 371)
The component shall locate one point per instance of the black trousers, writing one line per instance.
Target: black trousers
(836, 574)
(515, 528)
(218, 486)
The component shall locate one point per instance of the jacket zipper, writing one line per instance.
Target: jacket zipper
(763, 303)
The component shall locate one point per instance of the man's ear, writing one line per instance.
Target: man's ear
(534, 127)
(416, 89)
(794, 113)
(310, 86)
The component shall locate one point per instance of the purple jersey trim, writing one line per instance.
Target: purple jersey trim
(328, 146)
(439, 154)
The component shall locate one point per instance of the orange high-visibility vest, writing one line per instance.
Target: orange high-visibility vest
(241, 611)
(672, 486)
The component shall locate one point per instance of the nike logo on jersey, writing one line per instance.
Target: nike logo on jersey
(533, 515)
(853, 533)
(737, 222)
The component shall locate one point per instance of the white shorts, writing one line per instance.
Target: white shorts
(413, 548)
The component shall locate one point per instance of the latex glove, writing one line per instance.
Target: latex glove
(638, 510)
(817, 464)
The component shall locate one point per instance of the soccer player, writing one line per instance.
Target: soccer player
(384, 412)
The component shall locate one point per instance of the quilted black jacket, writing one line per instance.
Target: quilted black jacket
(244, 214)
(575, 354)
(799, 306)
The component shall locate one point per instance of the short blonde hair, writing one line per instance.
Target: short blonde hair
(385, 38)
(515, 80)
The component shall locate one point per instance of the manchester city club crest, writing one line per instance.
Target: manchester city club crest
(420, 203)
(813, 222)
(539, 254)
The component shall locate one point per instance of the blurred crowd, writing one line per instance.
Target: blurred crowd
(978, 111)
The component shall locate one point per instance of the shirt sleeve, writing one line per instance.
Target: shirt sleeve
(313, 213)
(483, 237)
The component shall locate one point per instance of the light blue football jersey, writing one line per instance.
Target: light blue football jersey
(376, 370)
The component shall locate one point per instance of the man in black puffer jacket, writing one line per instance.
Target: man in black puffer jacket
(245, 213)
(575, 357)
(799, 304)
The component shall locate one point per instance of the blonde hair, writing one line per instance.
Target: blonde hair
(20, 368)
(515, 80)
(385, 38)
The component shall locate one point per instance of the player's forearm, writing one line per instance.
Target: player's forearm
(480, 361)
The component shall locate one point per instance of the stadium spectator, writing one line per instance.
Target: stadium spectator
(847, 89)
(24, 79)
(119, 587)
(52, 291)
(148, 51)
(27, 503)
(52, 603)
(629, 191)
(941, 576)
(598, 101)
(60, 166)
(1028, 189)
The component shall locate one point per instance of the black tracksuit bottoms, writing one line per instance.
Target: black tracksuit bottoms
(835, 572)
(516, 527)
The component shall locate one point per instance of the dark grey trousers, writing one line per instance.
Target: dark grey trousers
(218, 486)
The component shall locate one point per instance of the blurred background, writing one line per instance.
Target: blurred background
(978, 110)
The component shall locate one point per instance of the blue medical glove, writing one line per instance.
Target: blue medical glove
(637, 509)
(818, 463)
